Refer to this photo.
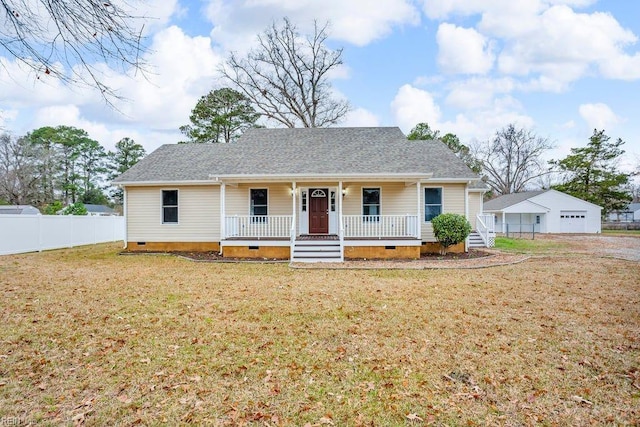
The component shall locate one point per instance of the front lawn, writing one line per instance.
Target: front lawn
(89, 336)
(540, 245)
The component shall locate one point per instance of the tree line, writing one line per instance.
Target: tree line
(513, 161)
(52, 167)
(285, 81)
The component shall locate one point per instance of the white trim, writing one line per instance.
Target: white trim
(162, 207)
(382, 242)
(237, 242)
(223, 210)
(126, 218)
(327, 177)
(163, 183)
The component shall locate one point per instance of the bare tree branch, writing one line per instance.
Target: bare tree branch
(67, 39)
(285, 76)
(512, 159)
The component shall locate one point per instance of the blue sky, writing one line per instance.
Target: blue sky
(559, 67)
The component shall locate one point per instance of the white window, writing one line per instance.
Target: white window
(169, 206)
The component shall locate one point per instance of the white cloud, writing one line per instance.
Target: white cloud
(478, 92)
(360, 117)
(356, 21)
(598, 116)
(412, 106)
(463, 50)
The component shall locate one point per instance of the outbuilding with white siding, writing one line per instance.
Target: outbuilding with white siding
(546, 211)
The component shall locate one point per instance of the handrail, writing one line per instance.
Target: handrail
(380, 226)
(341, 237)
(258, 226)
(486, 230)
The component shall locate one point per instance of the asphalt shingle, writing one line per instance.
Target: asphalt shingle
(301, 151)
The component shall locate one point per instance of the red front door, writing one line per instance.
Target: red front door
(318, 211)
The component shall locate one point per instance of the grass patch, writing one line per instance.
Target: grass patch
(529, 246)
(621, 232)
(91, 337)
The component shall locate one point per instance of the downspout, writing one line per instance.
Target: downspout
(466, 214)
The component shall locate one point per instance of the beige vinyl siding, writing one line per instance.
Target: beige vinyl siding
(396, 198)
(198, 215)
(279, 199)
(475, 207)
(453, 196)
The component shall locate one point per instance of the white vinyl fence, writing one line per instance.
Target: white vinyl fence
(31, 233)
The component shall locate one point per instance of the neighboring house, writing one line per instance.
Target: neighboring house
(546, 211)
(18, 210)
(300, 194)
(630, 214)
(99, 210)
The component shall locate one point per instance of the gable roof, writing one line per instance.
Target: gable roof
(19, 210)
(98, 208)
(502, 202)
(309, 152)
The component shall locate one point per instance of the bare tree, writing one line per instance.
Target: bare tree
(286, 76)
(18, 174)
(64, 39)
(512, 160)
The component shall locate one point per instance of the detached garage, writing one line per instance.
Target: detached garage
(547, 211)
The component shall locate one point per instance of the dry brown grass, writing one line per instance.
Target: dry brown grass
(92, 337)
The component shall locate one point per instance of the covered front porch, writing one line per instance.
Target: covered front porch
(325, 221)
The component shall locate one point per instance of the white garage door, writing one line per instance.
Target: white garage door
(573, 221)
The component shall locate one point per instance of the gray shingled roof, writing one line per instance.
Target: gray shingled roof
(507, 200)
(302, 151)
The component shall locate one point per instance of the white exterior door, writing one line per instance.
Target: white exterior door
(573, 221)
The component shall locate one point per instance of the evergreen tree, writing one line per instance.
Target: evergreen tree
(591, 173)
(220, 116)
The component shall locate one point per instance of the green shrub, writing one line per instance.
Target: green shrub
(77, 208)
(450, 229)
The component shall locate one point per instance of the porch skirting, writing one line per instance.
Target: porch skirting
(173, 246)
(381, 252)
(257, 252)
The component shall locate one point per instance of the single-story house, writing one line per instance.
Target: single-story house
(545, 211)
(630, 214)
(99, 210)
(319, 194)
(18, 210)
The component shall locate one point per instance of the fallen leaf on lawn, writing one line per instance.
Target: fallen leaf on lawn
(581, 400)
(326, 420)
(413, 417)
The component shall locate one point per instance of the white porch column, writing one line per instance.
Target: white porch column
(125, 212)
(339, 200)
(223, 188)
(294, 188)
(504, 222)
(419, 224)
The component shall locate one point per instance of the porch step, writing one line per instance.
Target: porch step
(316, 251)
(475, 241)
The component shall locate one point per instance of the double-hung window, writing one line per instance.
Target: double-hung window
(432, 203)
(169, 206)
(371, 204)
(259, 197)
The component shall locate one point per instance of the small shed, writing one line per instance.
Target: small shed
(545, 211)
(19, 210)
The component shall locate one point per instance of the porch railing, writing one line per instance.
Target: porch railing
(485, 226)
(381, 226)
(258, 226)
